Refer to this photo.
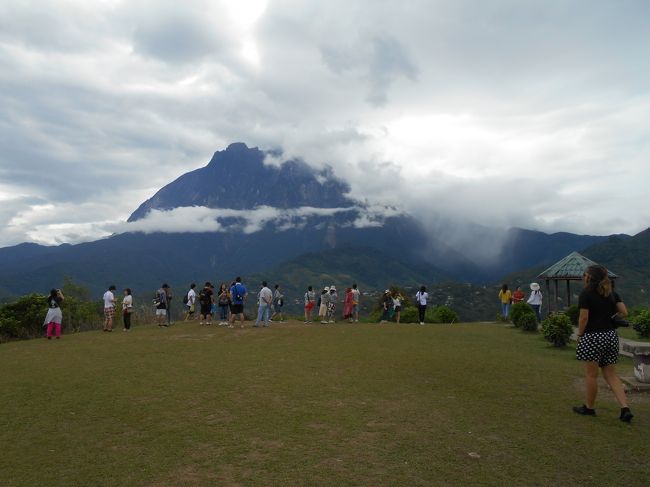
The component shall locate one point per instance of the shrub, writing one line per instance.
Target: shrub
(528, 322)
(444, 314)
(557, 329)
(517, 311)
(409, 315)
(641, 323)
(573, 312)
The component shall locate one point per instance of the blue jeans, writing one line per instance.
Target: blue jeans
(224, 312)
(505, 309)
(537, 308)
(263, 313)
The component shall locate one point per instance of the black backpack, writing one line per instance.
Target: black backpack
(204, 297)
(186, 299)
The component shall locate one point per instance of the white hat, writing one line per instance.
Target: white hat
(332, 288)
(534, 286)
(386, 291)
(326, 288)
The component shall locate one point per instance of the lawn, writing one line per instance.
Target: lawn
(341, 405)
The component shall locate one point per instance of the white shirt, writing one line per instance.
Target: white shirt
(421, 298)
(109, 300)
(191, 297)
(535, 298)
(355, 295)
(265, 296)
(127, 302)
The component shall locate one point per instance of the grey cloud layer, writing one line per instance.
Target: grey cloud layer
(505, 113)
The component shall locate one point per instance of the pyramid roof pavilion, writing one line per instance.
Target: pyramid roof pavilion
(571, 267)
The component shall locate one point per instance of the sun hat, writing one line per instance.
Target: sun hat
(534, 286)
(326, 288)
(332, 288)
(386, 291)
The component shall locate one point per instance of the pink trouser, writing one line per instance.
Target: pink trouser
(51, 325)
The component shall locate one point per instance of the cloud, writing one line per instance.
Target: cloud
(501, 113)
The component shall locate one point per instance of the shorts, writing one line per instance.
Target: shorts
(109, 313)
(190, 309)
(601, 347)
(161, 312)
(322, 310)
(309, 306)
(237, 309)
(205, 309)
(355, 307)
(398, 309)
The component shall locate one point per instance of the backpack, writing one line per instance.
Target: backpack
(186, 299)
(204, 298)
(237, 294)
(157, 300)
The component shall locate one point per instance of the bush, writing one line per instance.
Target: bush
(528, 322)
(444, 314)
(409, 315)
(573, 312)
(641, 323)
(520, 312)
(557, 329)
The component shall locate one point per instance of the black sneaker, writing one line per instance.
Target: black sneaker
(626, 415)
(584, 410)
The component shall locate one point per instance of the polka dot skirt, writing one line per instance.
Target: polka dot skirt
(601, 347)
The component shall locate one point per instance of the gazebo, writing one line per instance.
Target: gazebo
(571, 268)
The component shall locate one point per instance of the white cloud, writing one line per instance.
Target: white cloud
(529, 114)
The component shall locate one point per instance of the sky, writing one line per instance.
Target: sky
(505, 113)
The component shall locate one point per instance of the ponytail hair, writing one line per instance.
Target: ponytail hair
(599, 280)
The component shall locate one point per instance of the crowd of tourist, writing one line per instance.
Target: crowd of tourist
(598, 344)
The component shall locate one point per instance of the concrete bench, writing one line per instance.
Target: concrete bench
(640, 352)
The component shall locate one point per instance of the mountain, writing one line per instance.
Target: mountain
(238, 178)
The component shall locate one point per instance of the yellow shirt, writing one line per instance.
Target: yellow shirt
(505, 297)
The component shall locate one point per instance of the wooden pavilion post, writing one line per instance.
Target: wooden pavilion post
(548, 297)
(568, 293)
(557, 296)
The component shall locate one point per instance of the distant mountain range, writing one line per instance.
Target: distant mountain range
(286, 220)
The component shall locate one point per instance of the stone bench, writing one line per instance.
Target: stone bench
(640, 352)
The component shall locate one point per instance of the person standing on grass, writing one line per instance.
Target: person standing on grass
(109, 308)
(535, 300)
(356, 295)
(265, 303)
(238, 295)
(223, 299)
(518, 296)
(322, 306)
(597, 339)
(421, 298)
(161, 306)
(205, 302)
(386, 305)
(54, 316)
(505, 296)
(398, 299)
(127, 309)
(278, 302)
(168, 292)
(347, 305)
(331, 305)
(190, 302)
(310, 302)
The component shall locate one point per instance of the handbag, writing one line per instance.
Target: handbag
(619, 322)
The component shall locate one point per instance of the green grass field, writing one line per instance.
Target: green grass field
(320, 405)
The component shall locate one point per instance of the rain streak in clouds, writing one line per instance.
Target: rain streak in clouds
(503, 113)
